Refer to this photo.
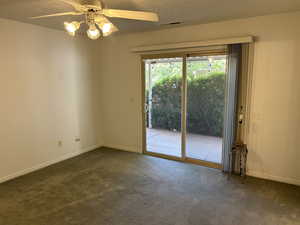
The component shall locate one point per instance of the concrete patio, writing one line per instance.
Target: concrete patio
(202, 147)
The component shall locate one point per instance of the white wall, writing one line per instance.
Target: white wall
(47, 95)
(274, 138)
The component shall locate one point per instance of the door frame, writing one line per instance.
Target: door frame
(184, 56)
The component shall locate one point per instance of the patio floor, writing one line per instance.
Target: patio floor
(202, 147)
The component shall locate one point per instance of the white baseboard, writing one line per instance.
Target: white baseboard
(274, 178)
(250, 172)
(123, 147)
(48, 163)
(130, 149)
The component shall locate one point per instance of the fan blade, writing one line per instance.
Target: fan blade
(76, 5)
(101, 20)
(133, 15)
(58, 14)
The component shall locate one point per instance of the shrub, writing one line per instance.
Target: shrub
(205, 104)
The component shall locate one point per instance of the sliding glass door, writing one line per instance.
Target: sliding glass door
(205, 107)
(184, 107)
(163, 82)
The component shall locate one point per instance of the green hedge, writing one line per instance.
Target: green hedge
(205, 105)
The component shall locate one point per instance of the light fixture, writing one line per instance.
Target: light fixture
(106, 29)
(72, 27)
(97, 17)
(93, 33)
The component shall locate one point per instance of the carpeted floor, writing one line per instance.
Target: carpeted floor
(110, 187)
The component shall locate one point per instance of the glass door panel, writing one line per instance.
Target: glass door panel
(205, 107)
(163, 80)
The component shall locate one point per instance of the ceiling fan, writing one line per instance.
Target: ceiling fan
(95, 17)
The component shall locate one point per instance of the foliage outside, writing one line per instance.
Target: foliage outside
(205, 101)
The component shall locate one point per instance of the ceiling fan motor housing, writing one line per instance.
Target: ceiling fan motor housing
(92, 9)
(90, 17)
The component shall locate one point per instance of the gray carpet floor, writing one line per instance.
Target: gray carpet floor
(110, 187)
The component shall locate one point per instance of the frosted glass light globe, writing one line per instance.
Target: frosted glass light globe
(106, 29)
(93, 33)
(72, 27)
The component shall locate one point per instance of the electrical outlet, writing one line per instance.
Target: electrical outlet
(59, 143)
(77, 139)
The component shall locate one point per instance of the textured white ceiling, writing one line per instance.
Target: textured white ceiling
(185, 11)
